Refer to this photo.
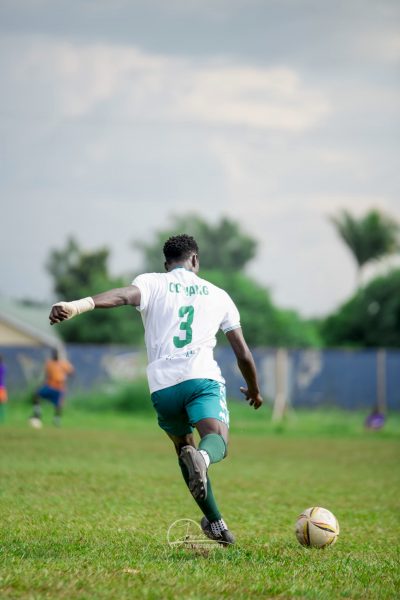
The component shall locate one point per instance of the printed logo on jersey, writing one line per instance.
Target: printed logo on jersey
(188, 290)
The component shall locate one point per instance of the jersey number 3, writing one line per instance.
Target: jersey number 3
(185, 326)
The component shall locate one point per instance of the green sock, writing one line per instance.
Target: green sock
(214, 445)
(208, 507)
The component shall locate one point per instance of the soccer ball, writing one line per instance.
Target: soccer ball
(317, 527)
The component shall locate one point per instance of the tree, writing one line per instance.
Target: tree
(370, 318)
(225, 250)
(77, 274)
(222, 246)
(73, 269)
(263, 323)
(369, 238)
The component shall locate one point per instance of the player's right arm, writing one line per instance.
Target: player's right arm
(129, 295)
(247, 367)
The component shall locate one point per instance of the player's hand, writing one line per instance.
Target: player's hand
(61, 312)
(66, 310)
(253, 398)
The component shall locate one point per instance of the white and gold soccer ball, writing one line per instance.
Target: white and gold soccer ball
(317, 527)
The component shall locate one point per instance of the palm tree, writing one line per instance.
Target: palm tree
(369, 238)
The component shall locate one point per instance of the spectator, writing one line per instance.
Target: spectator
(3, 390)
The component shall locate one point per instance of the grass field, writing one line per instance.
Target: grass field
(85, 509)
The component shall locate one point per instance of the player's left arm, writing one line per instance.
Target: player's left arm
(129, 295)
(68, 367)
(231, 327)
(247, 367)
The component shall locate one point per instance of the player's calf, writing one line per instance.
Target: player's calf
(213, 447)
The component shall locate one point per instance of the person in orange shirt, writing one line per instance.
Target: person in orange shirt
(56, 373)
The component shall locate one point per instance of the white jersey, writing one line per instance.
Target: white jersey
(182, 314)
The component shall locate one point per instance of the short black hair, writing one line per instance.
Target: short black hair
(180, 247)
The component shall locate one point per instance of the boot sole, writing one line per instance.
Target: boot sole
(196, 467)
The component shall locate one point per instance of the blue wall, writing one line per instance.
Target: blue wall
(328, 377)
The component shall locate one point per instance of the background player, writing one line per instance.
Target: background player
(56, 373)
(3, 390)
(181, 315)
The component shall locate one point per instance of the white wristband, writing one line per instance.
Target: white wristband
(76, 307)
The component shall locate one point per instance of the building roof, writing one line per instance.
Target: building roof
(31, 320)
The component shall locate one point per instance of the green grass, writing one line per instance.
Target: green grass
(85, 509)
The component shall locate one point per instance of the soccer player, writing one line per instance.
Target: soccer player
(56, 373)
(3, 390)
(181, 315)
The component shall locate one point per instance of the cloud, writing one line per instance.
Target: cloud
(383, 46)
(261, 98)
(83, 80)
(123, 137)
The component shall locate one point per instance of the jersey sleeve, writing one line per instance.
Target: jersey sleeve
(231, 318)
(146, 284)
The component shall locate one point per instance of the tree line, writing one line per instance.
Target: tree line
(371, 317)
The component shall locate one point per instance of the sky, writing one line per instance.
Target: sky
(116, 115)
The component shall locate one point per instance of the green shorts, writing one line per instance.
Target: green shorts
(180, 406)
